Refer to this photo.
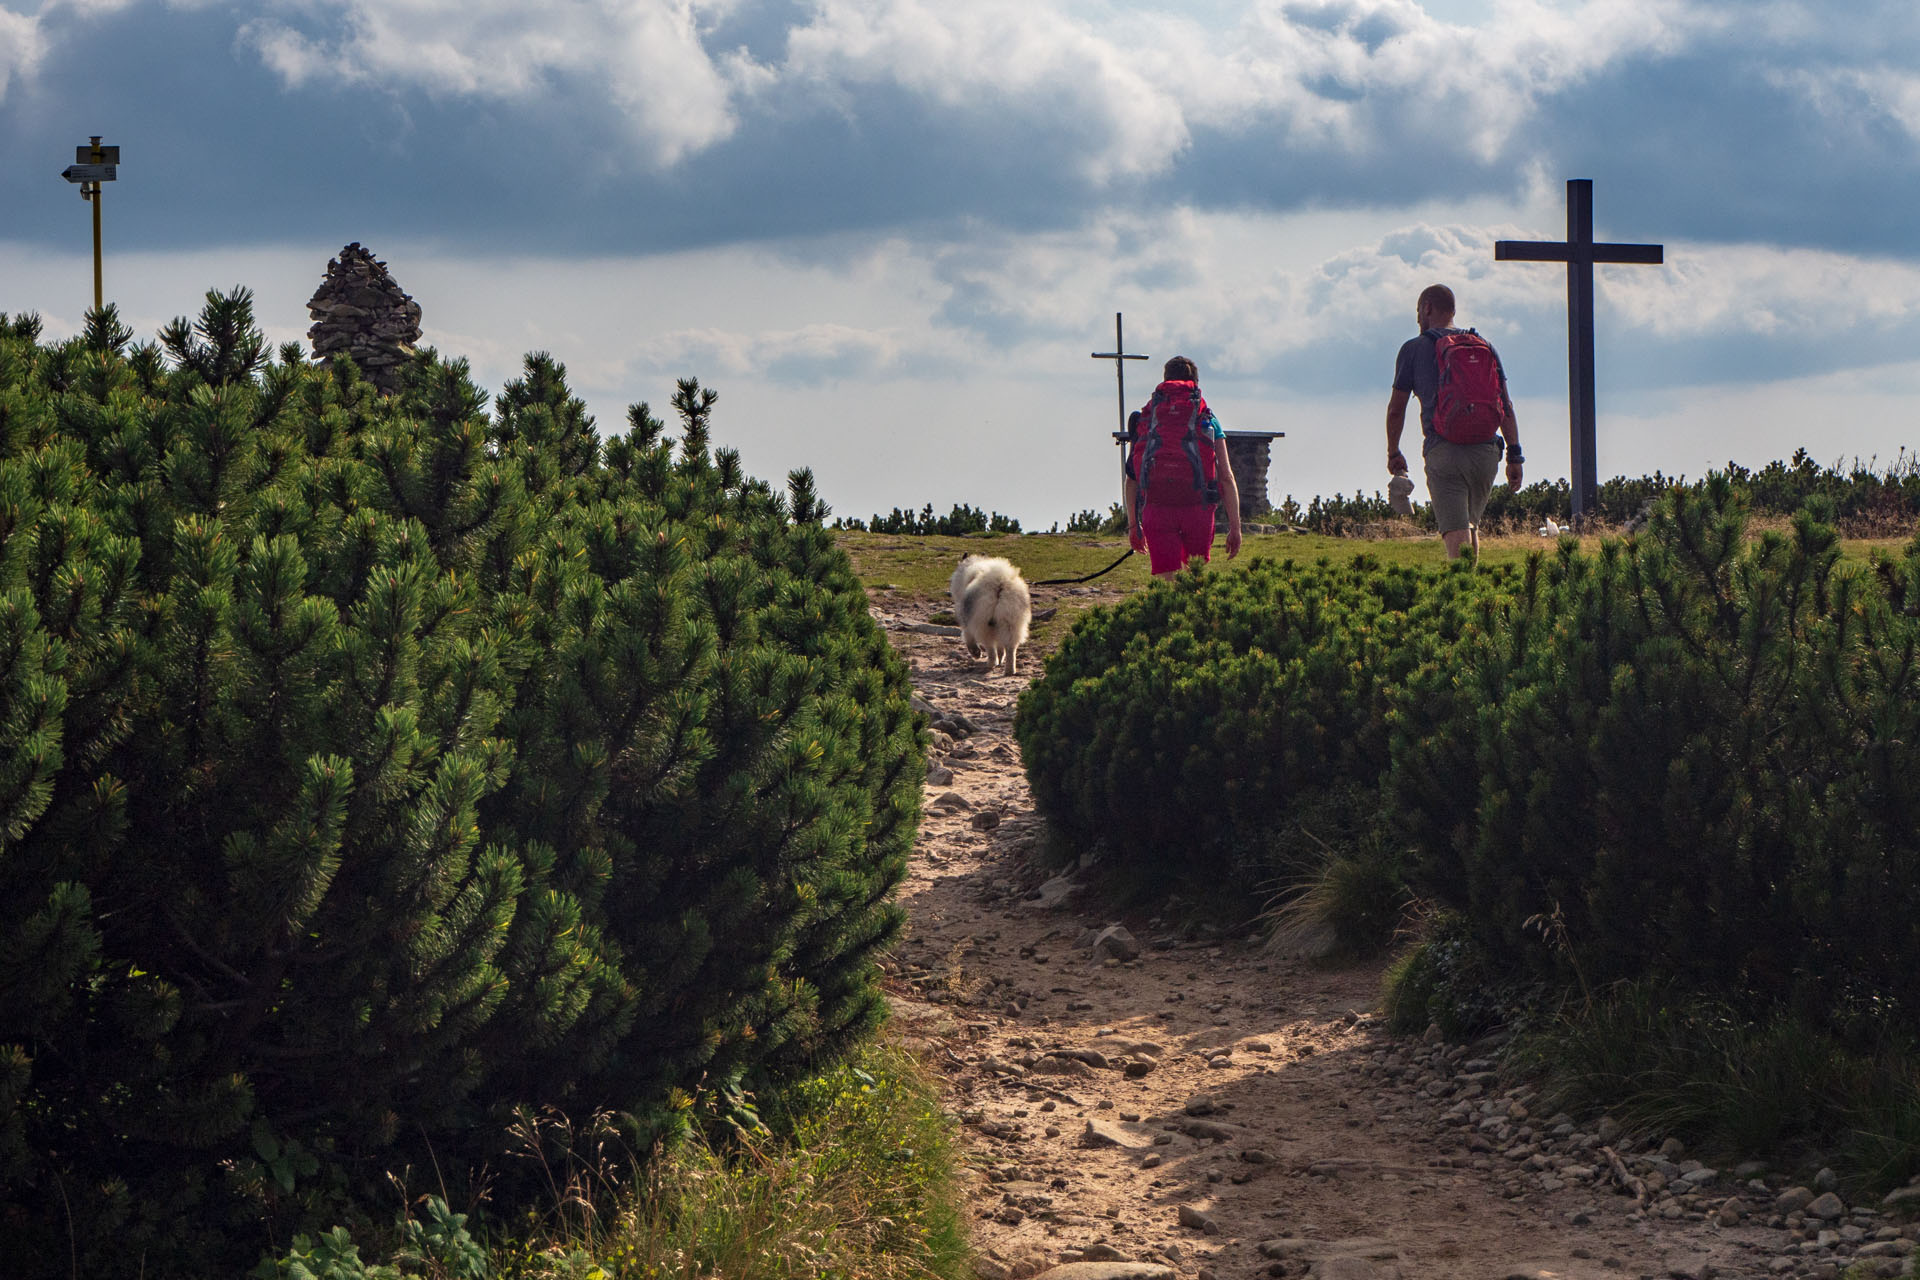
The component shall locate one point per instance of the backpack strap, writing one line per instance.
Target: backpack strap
(1190, 443)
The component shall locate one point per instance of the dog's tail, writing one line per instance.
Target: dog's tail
(993, 610)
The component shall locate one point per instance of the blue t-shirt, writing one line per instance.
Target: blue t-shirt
(1416, 370)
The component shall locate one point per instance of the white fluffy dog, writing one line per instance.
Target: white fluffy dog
(993, 607)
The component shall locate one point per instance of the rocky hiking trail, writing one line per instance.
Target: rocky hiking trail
(1141, 1105)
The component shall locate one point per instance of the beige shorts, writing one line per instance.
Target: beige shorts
(1459, 478)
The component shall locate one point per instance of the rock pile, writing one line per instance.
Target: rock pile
(1821, 1235)
(359, 310)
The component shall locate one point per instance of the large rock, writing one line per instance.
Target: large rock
(1345, 1268)
(1198, 1220)
(1109, 1271)
(1792, 1200)
(1053, 893)
(1011, 1262)
(1115, 941)
(1827, 1206)
(1366, 1248)
(1103, 1133)
(1210, 1130)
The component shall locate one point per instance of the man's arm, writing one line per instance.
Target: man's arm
(1397, 423)
(1229, 494)
(1129, 495)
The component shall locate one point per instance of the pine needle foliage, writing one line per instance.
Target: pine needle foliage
(1694, 753)
(372, 766)
(1170, 725)
(1686, 757)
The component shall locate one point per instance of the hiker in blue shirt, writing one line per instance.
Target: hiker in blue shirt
(1466, 420)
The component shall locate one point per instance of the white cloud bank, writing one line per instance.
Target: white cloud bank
(645, 57)
(1129, 89)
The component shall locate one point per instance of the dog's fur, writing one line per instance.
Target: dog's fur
(994, 609)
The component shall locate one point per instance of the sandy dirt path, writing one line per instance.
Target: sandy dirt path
(1204, 1108)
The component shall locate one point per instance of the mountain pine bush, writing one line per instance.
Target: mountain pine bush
(1690, 757)
(370, 766)
(1173, 724)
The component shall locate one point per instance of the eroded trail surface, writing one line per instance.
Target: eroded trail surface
(1157, 1106)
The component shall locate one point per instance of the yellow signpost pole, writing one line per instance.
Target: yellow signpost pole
(92, 165)
(99, 293)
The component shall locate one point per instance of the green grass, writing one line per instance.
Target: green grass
(854, 1178)
(899, 568)
(921, 566)
(859, 1186)
(1732, 1087)
(917, 567)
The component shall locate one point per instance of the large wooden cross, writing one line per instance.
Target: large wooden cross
(1579, 252)
(1119, 357)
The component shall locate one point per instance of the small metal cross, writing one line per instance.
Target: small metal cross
(1119, 357)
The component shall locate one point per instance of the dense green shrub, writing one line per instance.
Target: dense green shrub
(1866, 499)
(1091, 521)
(1692, 756)
(962, 520)
(372, 765)
(1445, 980)
(1364, 515)
(1724, 1078)
(1864, 496)
(1171, 725)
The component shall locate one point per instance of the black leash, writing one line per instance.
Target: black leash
(1067, 582)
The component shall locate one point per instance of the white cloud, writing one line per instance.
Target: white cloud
(1226, 289)
(1131, 89)
(1852, 99)
(1124, 93)
(1766, 291)
(644, 56)
(992, 53)
(1329, 68)
(21, 47)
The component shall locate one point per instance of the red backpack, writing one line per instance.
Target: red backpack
(1471, 404)
(1173, 454)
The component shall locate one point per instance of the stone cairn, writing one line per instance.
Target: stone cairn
(360, 311)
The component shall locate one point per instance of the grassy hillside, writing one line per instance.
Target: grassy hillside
(918, 567)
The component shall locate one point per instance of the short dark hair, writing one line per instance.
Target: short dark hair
(1437, 295)
(1181, 369)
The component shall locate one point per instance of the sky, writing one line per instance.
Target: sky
(890, 233)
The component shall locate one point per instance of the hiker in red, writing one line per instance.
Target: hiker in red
(1177, 473)
(1466, 420)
